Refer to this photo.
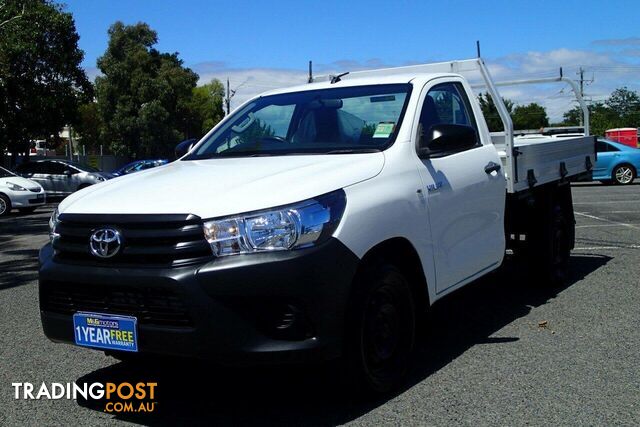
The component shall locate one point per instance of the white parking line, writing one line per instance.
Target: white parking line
(607, 220)
(618, 212)
(608, 202)
(593, 248)
(605, 225)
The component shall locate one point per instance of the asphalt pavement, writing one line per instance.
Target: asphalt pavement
(500, 351)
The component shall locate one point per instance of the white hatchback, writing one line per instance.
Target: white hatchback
(19, 193)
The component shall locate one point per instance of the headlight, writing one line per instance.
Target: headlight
(101, 178)
(53, 223)
(15, 187)
(295, 226)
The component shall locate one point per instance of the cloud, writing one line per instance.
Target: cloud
(92, 73)
(629, 41)
(604, 71)
(250, 82)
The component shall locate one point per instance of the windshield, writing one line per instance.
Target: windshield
(5, 173)
(343, 120)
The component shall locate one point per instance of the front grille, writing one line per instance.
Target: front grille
(150, 305)
(147, 240)
(35, 189)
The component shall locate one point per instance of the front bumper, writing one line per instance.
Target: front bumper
(258, 308)
(27, 199)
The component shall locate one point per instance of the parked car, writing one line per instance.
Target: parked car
(19, 193)
(312, 223)
(139, 165)
(61, 177)
(617, 163)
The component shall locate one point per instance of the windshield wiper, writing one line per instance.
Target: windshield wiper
(353, 150)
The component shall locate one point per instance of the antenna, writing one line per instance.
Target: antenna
(310, 72)
(478, 47)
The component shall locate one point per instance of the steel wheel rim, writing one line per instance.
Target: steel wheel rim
(624, 175)
(3, 206)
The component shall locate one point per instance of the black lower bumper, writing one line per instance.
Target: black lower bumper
(258, 308)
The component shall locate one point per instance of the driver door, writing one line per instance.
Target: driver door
(464, 200)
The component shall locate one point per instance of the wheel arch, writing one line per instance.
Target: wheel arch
(400, 252)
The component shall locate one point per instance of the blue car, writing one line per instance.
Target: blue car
(139, 165)
(617, 163)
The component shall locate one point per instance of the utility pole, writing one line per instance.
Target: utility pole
(227, 100)
(582, 82)
(230, 94)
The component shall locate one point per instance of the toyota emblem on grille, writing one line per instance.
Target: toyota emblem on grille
(105, 242)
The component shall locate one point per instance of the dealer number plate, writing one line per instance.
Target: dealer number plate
(105, 331)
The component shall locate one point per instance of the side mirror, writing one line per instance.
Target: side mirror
(184, 147)
(446, 138)
(68, 172)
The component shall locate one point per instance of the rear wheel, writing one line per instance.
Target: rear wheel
(624, 174)
(551, 242)
(5, 205)
(381, 330)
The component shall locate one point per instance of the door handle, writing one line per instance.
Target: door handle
(492, 167)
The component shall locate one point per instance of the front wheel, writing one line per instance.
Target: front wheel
(5, 205)
(381, 330)
(624, 174)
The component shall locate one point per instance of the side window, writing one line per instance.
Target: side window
(612, 148)
(25, 168)
(54, 168)
(37, 167)
(601, 147)
(446, 103)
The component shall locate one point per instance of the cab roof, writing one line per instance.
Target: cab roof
(347, 81)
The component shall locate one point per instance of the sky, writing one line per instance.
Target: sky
(262, 45)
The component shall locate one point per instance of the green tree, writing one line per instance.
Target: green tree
(490, 112)
(625, 104)
(41, 81)
(601, 118)
(205, 108)
(620, 109)
(89, 127)
(143, 95)
(530, 116)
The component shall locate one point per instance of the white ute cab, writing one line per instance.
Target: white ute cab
(314, 223)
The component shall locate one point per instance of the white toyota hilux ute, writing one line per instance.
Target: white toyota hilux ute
(313, 223)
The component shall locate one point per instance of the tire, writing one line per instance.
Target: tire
(551, 243)
(5, 205)
(623, 174)
(27, 210)
(381, 329)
